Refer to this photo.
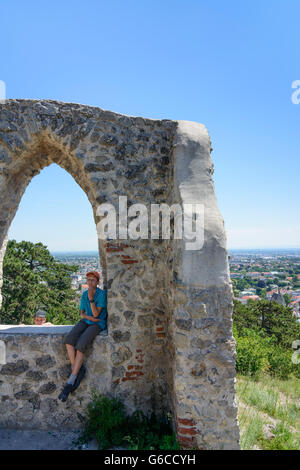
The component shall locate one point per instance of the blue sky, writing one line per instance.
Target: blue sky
(227, 64)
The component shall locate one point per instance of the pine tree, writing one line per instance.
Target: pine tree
(33, 279)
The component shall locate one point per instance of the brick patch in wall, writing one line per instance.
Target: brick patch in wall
(186, 431)
(113, 247)
(191, 431)
(187, 441)
(186, 422)
(130, 367)
(140, 356)
(117, 247)
(129, 261)
(133, 370)
(160, 330)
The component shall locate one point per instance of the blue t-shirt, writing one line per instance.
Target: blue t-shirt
(100, 298)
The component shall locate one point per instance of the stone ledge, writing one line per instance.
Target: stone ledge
(39, 330)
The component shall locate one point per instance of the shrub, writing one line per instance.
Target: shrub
(110, 426)
(151, 433)
(280, 362)
(251, 350)
(258, 353)
(106, 421)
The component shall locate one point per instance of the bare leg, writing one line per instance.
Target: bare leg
(78, 362)
(71, 354)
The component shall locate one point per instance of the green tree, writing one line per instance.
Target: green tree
(33, 279)
(244, 316)
(287, 299)
(271, 317)
(263, 294)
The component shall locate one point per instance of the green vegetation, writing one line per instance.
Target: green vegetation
(264, 333)
(108, 423)
(268, 319)
(32, 279)
(268, 382)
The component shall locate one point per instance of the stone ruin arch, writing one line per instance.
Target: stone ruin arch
(169, 309)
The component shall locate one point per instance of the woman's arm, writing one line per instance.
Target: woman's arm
(88, 317)
(95, 310)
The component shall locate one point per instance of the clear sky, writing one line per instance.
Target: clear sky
(227, 64)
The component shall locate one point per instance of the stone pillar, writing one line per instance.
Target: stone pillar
(204, 348)
(2, 254)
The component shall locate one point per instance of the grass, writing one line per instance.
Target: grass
(269, 402)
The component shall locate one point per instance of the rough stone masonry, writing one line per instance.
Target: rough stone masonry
(169, 309)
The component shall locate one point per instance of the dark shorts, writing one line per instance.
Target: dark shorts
(82, 335)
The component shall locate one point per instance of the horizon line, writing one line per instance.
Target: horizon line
(228, 249)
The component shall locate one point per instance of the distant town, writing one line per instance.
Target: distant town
(269, 274)
(86, 261)
(255, 274)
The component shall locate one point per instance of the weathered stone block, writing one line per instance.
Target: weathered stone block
(36, 375)
(122, 355)
(47, 388)
(45, 361)
(15, 368)
(145, 321)
(120, 337)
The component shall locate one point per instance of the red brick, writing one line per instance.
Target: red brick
(138, 367)
(131, 374)
(117, 381)
(160, 328)
(129, 261)
(160, 335)
(186, 441)
(139, 350)
(191, 431)
(186, 422)
(115, 245)
(130, 367)
(186, 438)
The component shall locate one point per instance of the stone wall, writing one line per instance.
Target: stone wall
(37, 368)
(169, 309)
(2, 253)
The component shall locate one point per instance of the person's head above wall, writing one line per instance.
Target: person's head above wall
(40, 317)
